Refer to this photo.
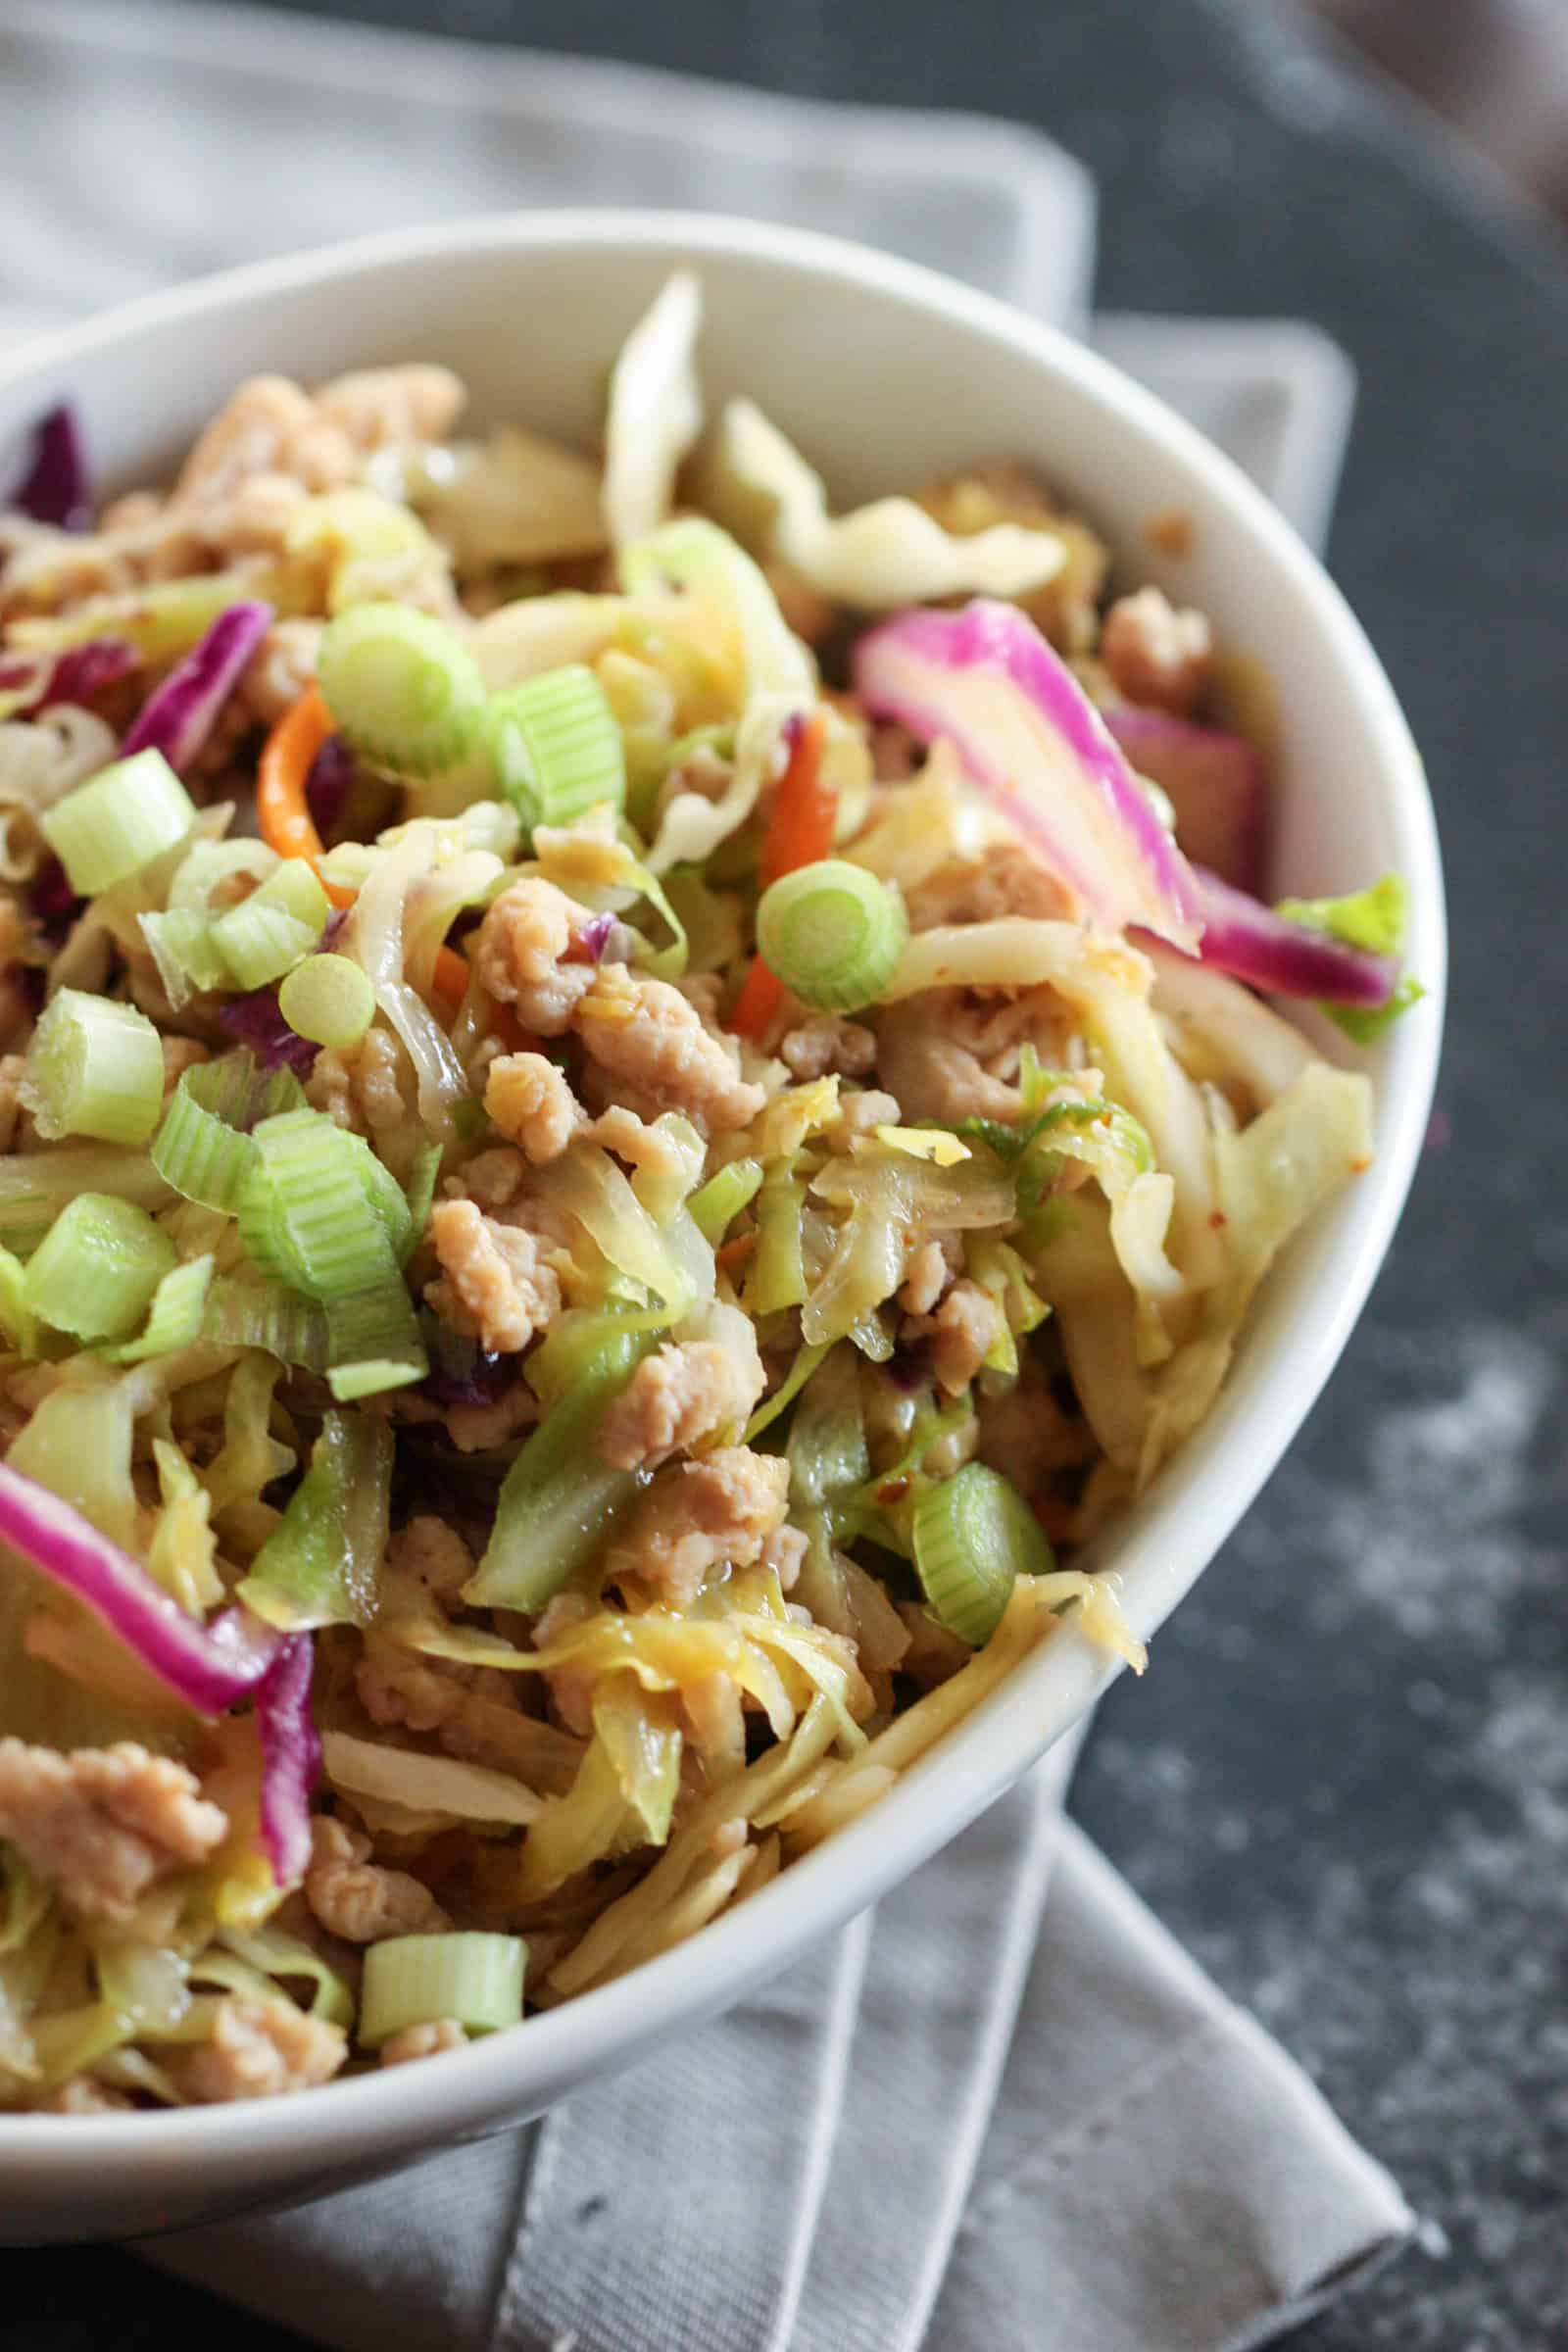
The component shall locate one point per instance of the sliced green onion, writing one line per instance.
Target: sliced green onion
(245, 1312)
(555, 746)
(319, 1564)
(329, 999)
(561, 1499)
(125, 816)
(305, 1214)
(210, 862)
(373, 1375)
(180, 942)
(36, 1186)
(94, 1067)
(321, 1214)
(96, 1269)
(267, 934)
(175, 1318)
(375, 1341)
(832, 933)
(974, 1535)
(403, 687)
(722, 1198)
(202, 1149)
(16, 1318)
(417, 1979)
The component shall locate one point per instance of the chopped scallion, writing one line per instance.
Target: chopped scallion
(305, 1215)
(416, 1980)
(267, 934)
(203, 1148)
(108, 829)
(94, 1067)
(832, 933)
(175, 1318)
(555, 747)
(974, 1535)
(403, 687)
(329, 999)
(96, 1269)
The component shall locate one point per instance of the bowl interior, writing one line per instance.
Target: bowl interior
(884, 375)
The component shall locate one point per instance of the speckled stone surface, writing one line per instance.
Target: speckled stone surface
(1344, 1784)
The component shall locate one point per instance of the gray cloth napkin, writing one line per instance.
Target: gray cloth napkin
(977, 2118)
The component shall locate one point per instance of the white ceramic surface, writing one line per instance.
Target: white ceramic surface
(885, 373)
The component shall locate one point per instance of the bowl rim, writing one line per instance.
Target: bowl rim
(414, 2110)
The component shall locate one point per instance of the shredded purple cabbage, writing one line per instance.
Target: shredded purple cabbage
(291, 1759)
(54, 486)
(84, 670)
(327, 786)
(257, 1020)
(592, 939)
(78, 676)
(51, 896)
(179, 717)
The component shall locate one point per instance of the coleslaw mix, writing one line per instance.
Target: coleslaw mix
(631, 1110)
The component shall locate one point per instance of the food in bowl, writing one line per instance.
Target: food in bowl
(629, 1123)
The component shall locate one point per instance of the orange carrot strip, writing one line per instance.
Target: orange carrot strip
(800, 831)
(806, 807)
(759, 998)
(282, 809)
(452, 975)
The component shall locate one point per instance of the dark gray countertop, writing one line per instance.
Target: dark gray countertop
(1344, 1784)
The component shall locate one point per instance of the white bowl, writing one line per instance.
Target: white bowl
(885, 375)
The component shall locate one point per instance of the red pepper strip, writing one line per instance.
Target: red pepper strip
(800, 831)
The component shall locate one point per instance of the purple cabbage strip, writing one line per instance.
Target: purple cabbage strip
(291, 1758)
(328, 783)
(56, 486)
(592, 939)
(84, 670)
(180, 715)
(50, 895)
(211, 1667)
(1215, 783)
(257, 1020)
(78, 676)
(899, 669)
(1251, 942)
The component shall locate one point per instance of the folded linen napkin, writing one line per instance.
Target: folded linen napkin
(978, 2117)
(953, 2125)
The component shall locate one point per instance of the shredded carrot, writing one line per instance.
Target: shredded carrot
(287, 826)
(806, 807)
(281, 809)
(452, 975)
(761, 994)
(800, 831)
(733, 1253)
